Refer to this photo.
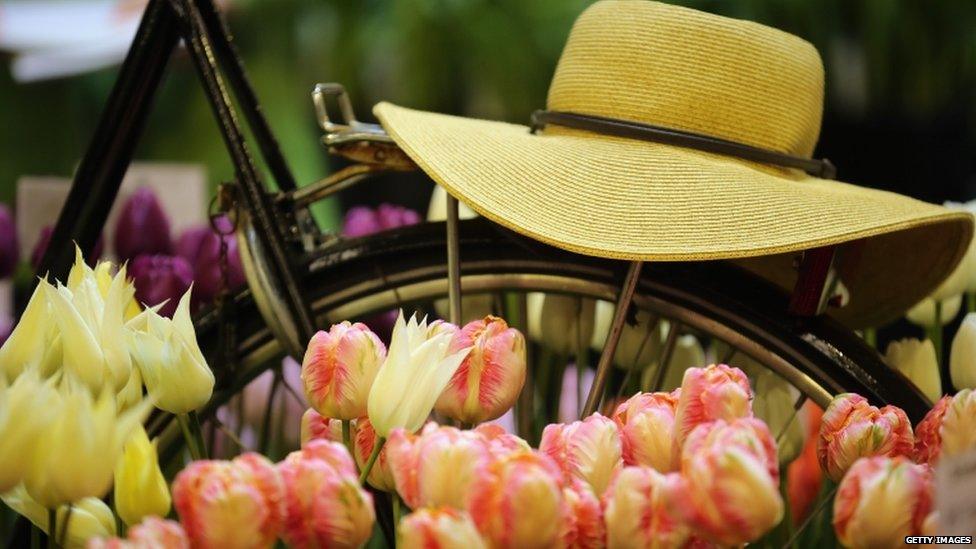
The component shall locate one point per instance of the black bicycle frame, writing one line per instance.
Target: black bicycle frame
(96, 183)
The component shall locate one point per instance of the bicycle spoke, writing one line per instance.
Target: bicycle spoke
(729, 355)
(613, 337)
(674, 329)
(453, 262)
(525, 407)
(651, 329)
(581, 357)
(800, 401)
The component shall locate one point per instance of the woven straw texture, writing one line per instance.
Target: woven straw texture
(629, 199)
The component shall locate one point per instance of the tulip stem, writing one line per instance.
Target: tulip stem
(397, 510)
(971, 302)
(52, 528)
(937, 332)
(191, 442)
(380, 441)
(64, 525)
(347, 435)
(809, 520)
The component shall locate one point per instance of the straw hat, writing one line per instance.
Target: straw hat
(599, 175)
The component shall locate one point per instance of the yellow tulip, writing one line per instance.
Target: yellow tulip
(169, 359)
(417, 368)
(688, 353)
(962, 360)
(26, 408)
(140, 488)
(90, 517)
(917, 361)
(34, 342)
(959, 424)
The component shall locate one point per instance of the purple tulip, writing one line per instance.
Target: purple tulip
(159, 278)
(44, 238)
(9, 250)
(200, 246)
(142, 227)
(363, 220)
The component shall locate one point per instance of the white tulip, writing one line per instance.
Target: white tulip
(917, 360)
(923, 313)
(639, 345)
(968, 264)
(962, 359)
(437, 211)
(774, 403)
(687, 353)
(556, 321)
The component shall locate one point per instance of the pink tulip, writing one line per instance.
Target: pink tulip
(713, 392)
(638, 513)
(326, 507)
(489, 380)
(160, 278)
(588, 450)
(881, 500)
(959, 424)
(928, 433)
(237, 504)
(852, 429)
(584, 527)
(437, 467)
(142, 227)
(518, 502)
(151, 533)
(317, 427)
(363, 220)
(500, 442)
(339, 368)
(438, 528)
(380, 476)
(729, 486)
(646, 423)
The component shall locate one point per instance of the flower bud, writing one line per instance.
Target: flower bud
(852, 428)
(490, 378)
(637, 510)
(713, 392)
(27, 408)
(518, 502)
(364, 221)
(152, 533)
(90, 517)
(959, 424)
(729, 486)
(646, 422)
(339, 368)
(561, 323)
(142, 226)
(881, 500)
(917, 361)
(9, 248)
(317, 427)
(438, 467)
(161, 279)
(237, 503)
(381, 475)
(140, 488)
(584, 527)
(326, 507)
(200, 246)
(962, 360)
(438, 528)
(588, 450)
(928, 433)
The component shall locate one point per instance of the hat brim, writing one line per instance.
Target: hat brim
(635, 200)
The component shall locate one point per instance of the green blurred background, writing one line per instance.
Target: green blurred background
(899, 115)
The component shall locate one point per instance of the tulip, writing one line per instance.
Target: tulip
(77, 451)
(729, 485)
(930, 526)
(44, 238)
(560, 322)
(161, 280)
(881, 500)
(326, 507)
(90, 517)
(928, 433)
(852, 429)
(640, 343)
(518, 502)
(923, 313)
(363, 220)
(962, 360)
(339, 368)
(637, 510)
(584, 527)
(968, 263)
(646, 421)
(437, 209)
(589, 450)
(438, 528)
(169, 359)
(500, 442)
(365, 441)
(414, 374)
(917, 361)
(131, 393)
(959, 424)
(9, 248)
(152, 533)
(234, 504)
(490, 378)
(775, 403)
(27, 408)
(200, 246)
(316, 427)
(714, 392)
(140, 488)
(142, 226)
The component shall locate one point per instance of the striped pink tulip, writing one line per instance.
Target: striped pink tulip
(959, 424)
(326, 506)
(438, 466)
(339, 368)
(380, 476)
(584, 527)
(151, 533)
(230, 504)
(881, 500)
(500, 442)
(928, 433)
(489, 380)
(729, 486)
(438, 528)
(317, 427)
(851, 428)
(713, 392)
(637, 510)
(518, 502)
(646, 423)
(588, 450)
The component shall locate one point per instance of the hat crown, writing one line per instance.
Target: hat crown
(681, 68)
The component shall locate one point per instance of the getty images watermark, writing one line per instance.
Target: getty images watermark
(938, 540)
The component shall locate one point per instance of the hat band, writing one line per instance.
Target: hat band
(680, 138)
